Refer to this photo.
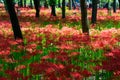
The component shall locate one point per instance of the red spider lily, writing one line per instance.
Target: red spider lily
(51, 55)
(73, 18)
(86, 73)
(93, 25)
(19, 40)
(66, 46)
(74, 54)
(13, 74)
(117, 73)
(104, 41)
(115, 66)
(4, 23)
(76, 75)
(31, 48)
(63, 56)
(113, 63)
(4, 52)
(4, 47)
(50, 70)
(25, 24)
(38, 68)
(26, 78)
(46, 57)
(81, 39)
(68, 31)
(19, 67)
(97, 68)
(2, 78)
(12, 42)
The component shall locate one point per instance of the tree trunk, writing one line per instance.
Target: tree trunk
(63, 8)
(94, 11)
(37, 6)
(53, 11)
(70, 4)
(14, 20)
(46, 4)
(24, 3)
(109, 8)
(5, 5)
(114, 6)
(59, 4)
(84, 20)
(31, 4)
(119, 3)
(21, 3)
(73, 3)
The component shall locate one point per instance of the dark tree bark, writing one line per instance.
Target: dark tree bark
(14, 20)
(73, 3)
(84, 20)
(114, 6)
(52, 5)
(46, 4)
(70, 4)
(53, 11)
(31, 4)
(119, 3)
(59, 4)
(94, 11)
(37, 7)
(4, 1)
(109, 8)
(21, 3)
(24, 3)
(0, 1)
(63, 8)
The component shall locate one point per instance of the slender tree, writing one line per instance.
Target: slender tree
(37, 7)
(5, 5)
(94, 11)
(63, 8)
(109, 8)
(59, 4)
(52, 4)
(70, 4)
(24, 3)
(114, 6)
(0, 1)
(73, 3)
(14, 20)
(46, 4)
(119, 3)
(84, 20)
(21, 3)
(31, 4)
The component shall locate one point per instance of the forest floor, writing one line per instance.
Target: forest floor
(55, 49)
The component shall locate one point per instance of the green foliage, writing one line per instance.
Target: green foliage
(18, 55)
(25, 41)
(108, 24)
(52, 2)
(88, 58)
(104, 75)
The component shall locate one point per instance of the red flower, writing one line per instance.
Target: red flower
(86, 73)
(13, 74)
(2, 78)
(97, 68)
(76, 75)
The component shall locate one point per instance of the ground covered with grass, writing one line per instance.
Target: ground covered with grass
(55, 49)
